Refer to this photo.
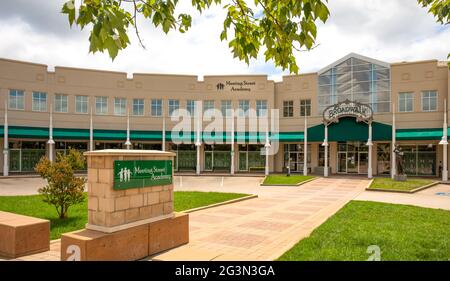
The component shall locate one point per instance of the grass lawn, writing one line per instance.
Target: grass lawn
(283, 179)
(402, 232)
(390, 184)
(32, 205)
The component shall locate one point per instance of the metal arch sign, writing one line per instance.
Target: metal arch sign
(347, 108)
(141, 173)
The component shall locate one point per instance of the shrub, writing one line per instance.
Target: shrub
(63, 188)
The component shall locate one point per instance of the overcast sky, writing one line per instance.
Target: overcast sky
(392, 31)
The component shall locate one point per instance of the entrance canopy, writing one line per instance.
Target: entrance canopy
(347, 129)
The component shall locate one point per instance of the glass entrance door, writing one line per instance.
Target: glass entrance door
(342, 162)
(352, 158)
(208, 161)
(363, 162)
(352, 162)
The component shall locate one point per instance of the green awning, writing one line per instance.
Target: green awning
(349, 130)
(346, 130)
(288, 136)
(419, 134)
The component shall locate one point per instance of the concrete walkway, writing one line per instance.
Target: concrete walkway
(437, 197)
(266, 227)
(256, 229)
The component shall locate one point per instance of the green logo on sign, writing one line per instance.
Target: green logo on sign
(141, 173)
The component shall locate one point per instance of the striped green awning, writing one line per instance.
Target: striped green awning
(343, 131)
(419, 134)
(289, 137)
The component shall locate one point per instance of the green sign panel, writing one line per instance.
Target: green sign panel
(141, 173)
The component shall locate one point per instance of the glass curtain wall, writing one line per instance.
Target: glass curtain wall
(294, 157)
(420, 160)
(24, 155)
(185, 158)
(217, 157)
(251, 158)
(356, 80)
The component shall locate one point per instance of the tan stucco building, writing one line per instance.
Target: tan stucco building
(417, 91)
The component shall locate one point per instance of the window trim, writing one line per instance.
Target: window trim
(222, 102)
(115, 113)
(258, 109)
(398, 99)
(161, 107)
(437, 100)
(170, 114)
(293, 111)
(54, 102)
(24, 100)
(306, 106)
(87, 102)
(132, 108)
(32, 101)
(107, 105)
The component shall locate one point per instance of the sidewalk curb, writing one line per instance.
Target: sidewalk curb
(405, 191)
(298, 184)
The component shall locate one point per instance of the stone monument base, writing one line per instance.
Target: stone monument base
(128, 244)
(400, 177)
(23, 235)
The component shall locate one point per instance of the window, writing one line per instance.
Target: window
(288, 108)
(429, 101)
(244, 106)
(156, 108)
(261, 108)
(305, 107)
(120, 106)
(190, 107)
(208, 107)
(358, 80)
(138, 107)
(405, 102)
(16, 99)
(101, 105)
(39, 101)
(225, 107)
(61, 103)
(81, 104)
(174, 105)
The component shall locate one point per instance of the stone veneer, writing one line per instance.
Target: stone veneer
(111, 208)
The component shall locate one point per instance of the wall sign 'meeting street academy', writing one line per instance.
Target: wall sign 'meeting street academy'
(343, 119)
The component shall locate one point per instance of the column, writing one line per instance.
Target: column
(6, 143)
(444, 142)
(198, 142)
(50, 142)
(393, 160)
(370, 145)
(305, 150)
(128, 142)
(267, 148)
(325, 144)
(163, 127)
(232, 143)
(91, 134)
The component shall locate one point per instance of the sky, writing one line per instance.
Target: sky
(391, 31)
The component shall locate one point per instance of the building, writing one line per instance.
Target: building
(338, 101)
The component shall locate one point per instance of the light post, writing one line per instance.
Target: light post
(325, 144)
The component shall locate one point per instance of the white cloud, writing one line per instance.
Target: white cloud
(394, 30)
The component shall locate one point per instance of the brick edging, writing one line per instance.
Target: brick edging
(298, 184)
(220, 204)
(405, 191)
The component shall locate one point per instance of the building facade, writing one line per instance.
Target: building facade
(405, 102)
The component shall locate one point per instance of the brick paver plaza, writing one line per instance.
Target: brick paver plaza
(256, 229)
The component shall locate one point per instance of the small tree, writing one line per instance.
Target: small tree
(64, 189)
